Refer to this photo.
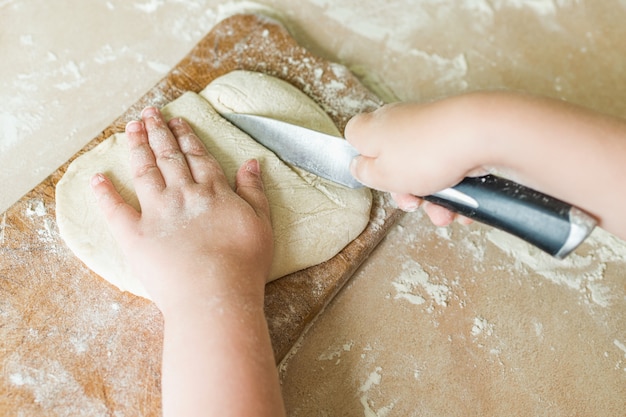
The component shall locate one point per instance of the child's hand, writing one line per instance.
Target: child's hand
(549, 145)
(195, 237)
(414, 150)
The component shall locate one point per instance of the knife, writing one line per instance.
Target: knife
(551, 225)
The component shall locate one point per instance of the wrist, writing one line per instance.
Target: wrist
(489, 120)
(209, 305)
(475, 131)
(193, 289)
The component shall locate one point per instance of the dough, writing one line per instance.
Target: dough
(313, 219)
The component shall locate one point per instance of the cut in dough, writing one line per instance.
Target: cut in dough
(313, 219)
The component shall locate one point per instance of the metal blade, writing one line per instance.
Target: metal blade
(324, 155)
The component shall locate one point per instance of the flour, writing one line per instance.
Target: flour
(149, 6)
(379, 212)
(106, 53)
(580, 271)
(35, 207)
(71, 76)
(228, 9)
(334, 352)
(541, 7)
(374, 26)
(443, 70)
(374, 378)
(46, 231)
(8, 131)
(620, 346)
(27, 40)
(53, 388)
(412, 279)
(481, 327)
(3, 226)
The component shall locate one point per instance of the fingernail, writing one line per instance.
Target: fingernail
(353, 167)
(149, 112)
(253, 166)
(410, 207)
(134, 126)
(177, 121)
(97, 179)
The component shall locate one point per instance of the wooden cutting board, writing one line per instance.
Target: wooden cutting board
(72, 344)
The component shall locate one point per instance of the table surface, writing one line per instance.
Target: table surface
(457, 321)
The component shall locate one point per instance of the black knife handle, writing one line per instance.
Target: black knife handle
(550, 224)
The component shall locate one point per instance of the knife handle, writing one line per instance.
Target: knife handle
(550, 224)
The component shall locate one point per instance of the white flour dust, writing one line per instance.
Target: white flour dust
(580, 271)
(373, 379)
(53, 388)
(3, 226)
(334, 352)
(45, 224)
(540, 7)
(414, 285)
(8, 131)
(481, 327)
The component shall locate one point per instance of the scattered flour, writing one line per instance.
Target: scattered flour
(53, 388)
(335, 352)
(3, 226)
(481, 327)
(449, 70)
(228, 9)
(8, 130)
(541, 7)
(71, 76)
(36, 208)
(149, 6)
(47, 231)
(374, 26)
(374, 378)
(580, 271)
(620, 346)
(412, 279)
(444, 232)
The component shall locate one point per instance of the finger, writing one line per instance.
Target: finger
(439, 215)
(249, 186)
(358, 133)
(406, 202)
(366, 171)
(119, 215)
(169, 157)
(366, 131)
(146, 175)
(465, 221)
(202, 165)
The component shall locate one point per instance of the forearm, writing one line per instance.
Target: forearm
(218, 360)
(563, 150)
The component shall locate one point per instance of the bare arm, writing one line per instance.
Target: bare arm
(203, 252)
(561, 149)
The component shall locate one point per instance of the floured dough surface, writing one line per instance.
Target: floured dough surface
(313, 219)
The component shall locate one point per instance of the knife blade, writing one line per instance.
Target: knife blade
(550, 224)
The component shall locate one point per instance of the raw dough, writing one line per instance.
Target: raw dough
(313, 219)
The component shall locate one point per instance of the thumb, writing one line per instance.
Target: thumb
(249, 186)
(119, 215)
(365, 170)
